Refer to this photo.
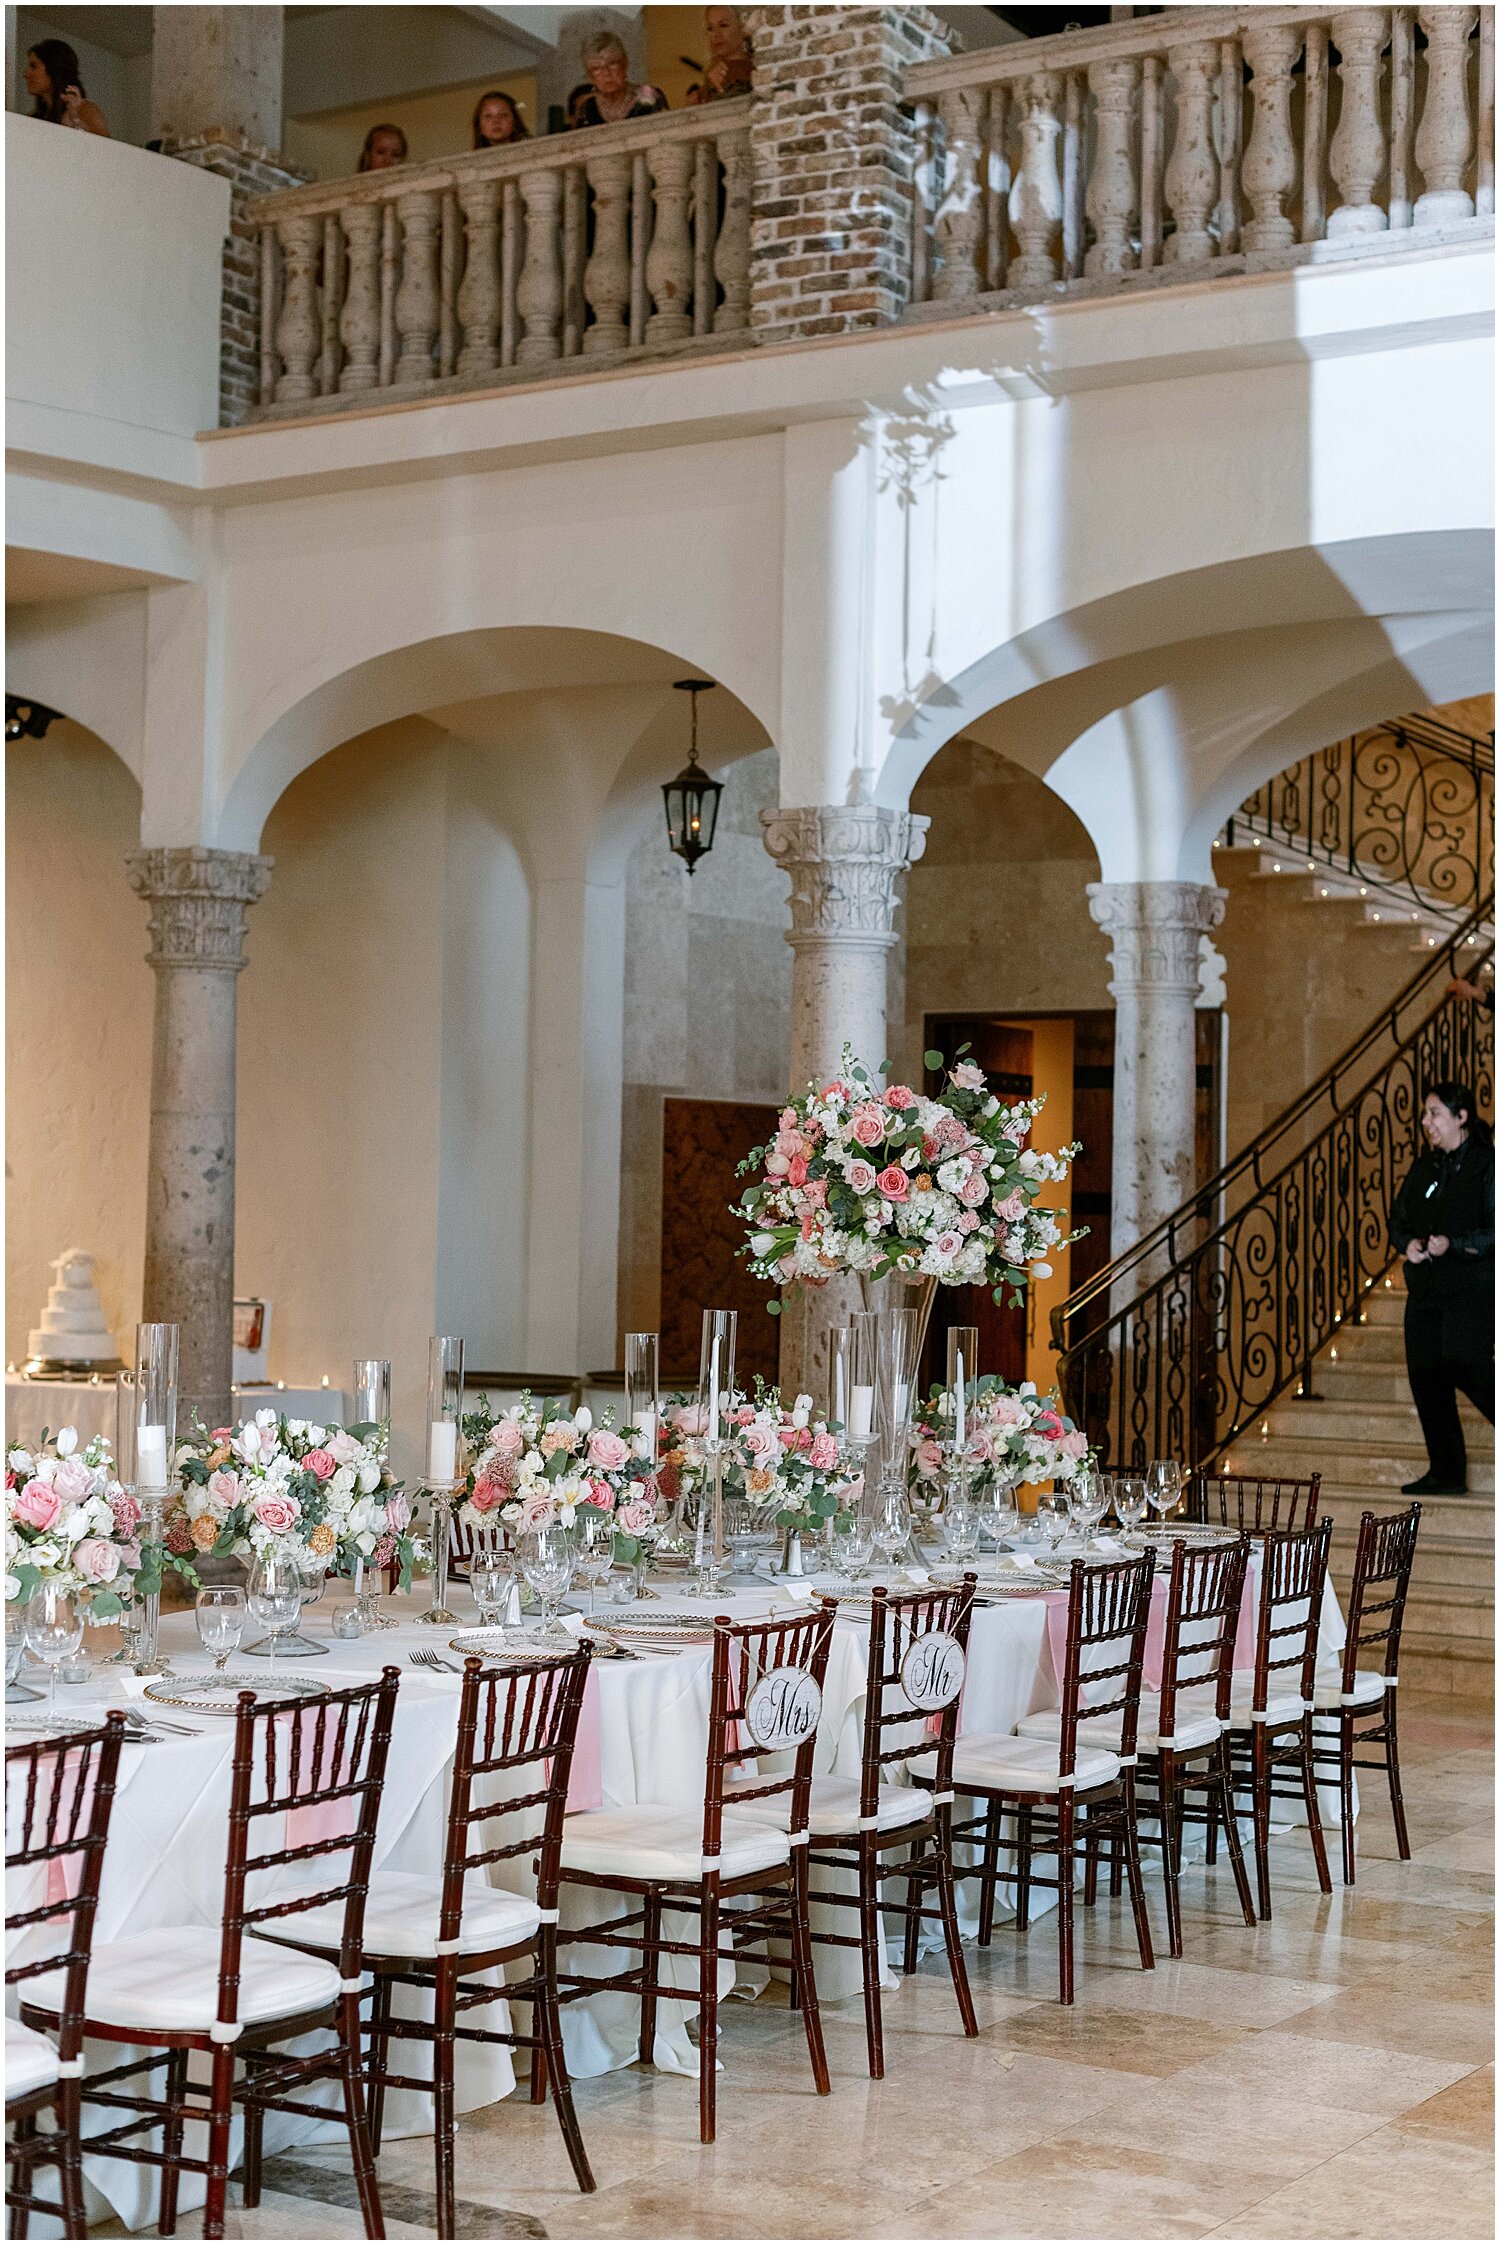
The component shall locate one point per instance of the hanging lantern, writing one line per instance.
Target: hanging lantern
(692, 799)
(27, 721)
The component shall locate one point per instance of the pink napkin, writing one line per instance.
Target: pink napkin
(1056, 1603)
(586, 1776)
(65, 1872)
(323, 1820)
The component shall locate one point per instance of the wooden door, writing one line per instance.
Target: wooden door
(1003, 1051)
(703, 1140)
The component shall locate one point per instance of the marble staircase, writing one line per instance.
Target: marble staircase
(1359, 1429)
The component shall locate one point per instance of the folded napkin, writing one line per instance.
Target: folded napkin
(1024, 1561)
(1108, 1544)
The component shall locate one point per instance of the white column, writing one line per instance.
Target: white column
(1155, 929)
(198, 899)
(844, 861)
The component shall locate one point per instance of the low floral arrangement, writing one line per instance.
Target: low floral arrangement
(1011, 1435)
(69, 1521)
(326, 1491)
(794, 1464)
(872, 1178)
(535, 1465)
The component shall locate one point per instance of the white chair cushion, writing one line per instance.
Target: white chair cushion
(1283, 1706)
(401, 1917)
(1191, 1727)
(1328, 1688)
(989, 1762)
(30, 2060)
(834, 1807)
(652, 1841)
(170, 1980)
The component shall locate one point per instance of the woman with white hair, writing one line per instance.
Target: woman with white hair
(613, 96)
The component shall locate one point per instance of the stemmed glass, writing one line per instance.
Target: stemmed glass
(15, 1652)
(491, 1574)
(1051, 1517)
(892, 1526)
(274, 1598)
(1164, 1487)
(221, 1622)
(998, 1518)
(547, 1558)
(54, 1631)
(853, 1546)
(1130, 1500)
(1088, 1501)
(959, 1524)
(596, 1550)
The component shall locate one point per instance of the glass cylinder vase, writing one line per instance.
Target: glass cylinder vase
(444, 1452)
(153, 1446)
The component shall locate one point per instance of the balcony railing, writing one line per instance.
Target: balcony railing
(601, 246)
(1196, 142)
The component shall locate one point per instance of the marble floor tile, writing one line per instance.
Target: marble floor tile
(1390, 2184)
(1134, 2041)
(1327, 2073)
(1464, 2113)
(1077, 2186)
(1381, 2016)
(1281, 2130)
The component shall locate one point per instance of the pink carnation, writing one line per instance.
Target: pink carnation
(824, 1454)
(279, 1514)
(38, 1506)
(321, 1462)
(899, 1097)
(607, 1451)
(968, 1222)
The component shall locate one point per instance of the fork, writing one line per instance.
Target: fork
(423, 1658)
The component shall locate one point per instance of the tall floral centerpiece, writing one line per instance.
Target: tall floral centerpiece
(875, 1179)
(538, 1466)
(69, 1521)
(324, 1493)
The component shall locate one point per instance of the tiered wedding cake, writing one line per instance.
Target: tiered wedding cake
(72, 1336)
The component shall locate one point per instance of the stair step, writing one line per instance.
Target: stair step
(1392, 1425)
(1381, 1473)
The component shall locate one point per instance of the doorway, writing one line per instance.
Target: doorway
(703, 1142)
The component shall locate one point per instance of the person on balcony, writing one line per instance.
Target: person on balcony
(55, 84)
(497, 122)
(384, 148)
(731, 65)
(1443, 1226)
(615, 96)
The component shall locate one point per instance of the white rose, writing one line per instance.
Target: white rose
(12, 1587)
(20, 1462)
(341, 1484)
(44, 1554)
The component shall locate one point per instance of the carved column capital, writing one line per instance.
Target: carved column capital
(844, 861)
(1155, 928)
(198, 900)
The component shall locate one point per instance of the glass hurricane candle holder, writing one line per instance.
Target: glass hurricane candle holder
(444, 1475)
(153, 1441)
(715, 1406)
(372, 1408)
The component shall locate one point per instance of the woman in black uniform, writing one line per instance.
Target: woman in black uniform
(1443, 1225)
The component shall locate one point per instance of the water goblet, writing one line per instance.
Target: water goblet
(491, 1574)
(274, 1598)
(1130, 1500)
(15, 1653)
(547, 1563)
(893, 1527)
(221, 1622)
(596, 1550)
(54, 1631)
(1164, 1487)
(1051, 1518)
(959, 1523)
(853, 1546)
(1087, 1503)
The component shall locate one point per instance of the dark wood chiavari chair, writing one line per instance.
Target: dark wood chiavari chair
(229, 1992)
(1270, 1717)
(1183, 1739)
(58, 1797)
(1256, 1504)
(1061, 1791)
(917, 1656)
(1354, 1704)
(765, 1697)
(440, 1932)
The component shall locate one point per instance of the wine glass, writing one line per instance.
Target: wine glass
(491, 1574)
(15, 1651)
(893, 1527)
(853, 1547)
(1130, 1500)
(1088, 1501)
(959, 1523)
(274, 1597)
(54, 1630)
(1051, 1518)
(221, 1622)
(1164, 1487)
(596, 1551)
(547, 1563)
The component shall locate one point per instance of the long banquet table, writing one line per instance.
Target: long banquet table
(165, 1860)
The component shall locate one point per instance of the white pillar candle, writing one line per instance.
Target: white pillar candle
(838, 1391)
(151, 1457)
(645, 1435)
(958, 1404)
(713, 1394)
(900, 1392)
(442, 1452)
(861, 1413)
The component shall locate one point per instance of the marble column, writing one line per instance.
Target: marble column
(844, 862)
(1155, 930)
(197, 900)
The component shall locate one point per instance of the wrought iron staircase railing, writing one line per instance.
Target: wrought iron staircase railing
(1177, 1345)
(1406, 810)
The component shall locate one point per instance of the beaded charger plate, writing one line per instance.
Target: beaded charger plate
(674, 1631)
(1184, 1531)
(53, 1726)
(220, 1695)
(500, 1644)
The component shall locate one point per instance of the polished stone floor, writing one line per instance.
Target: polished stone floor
(1329, 2075)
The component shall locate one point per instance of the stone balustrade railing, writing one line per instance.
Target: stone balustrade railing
(605, 245)
(1198, 141)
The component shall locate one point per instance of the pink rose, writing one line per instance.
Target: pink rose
(279, 1514)
(73, 1480)
(321, 1462)
(127, 1514)
(1008, 1412)
(690, 1419)
(1048, 1424)
(861, 1177)
(536, 1512)
(507, 1439)
(130, 1554)
(342, 1446)
(788, 1118)
(607, 1451)
(824, 1454)
(1013, 1205)
(948, 1243)
(600, 1495)
(796, 1174)
(636, 1517)
(898, 1096)
(760, 1441)
(224, 1488)
(384, 1554)
(968, 1222)
(1075, 1445)
(867, 1125)
(38, 1506)
(789, 1142)
(96, 1560)
(398, 1512)
(973, 1190)
(929, 1456)
(488, 1492)
(221, 1434)
(968, 1077)
(892, 1183)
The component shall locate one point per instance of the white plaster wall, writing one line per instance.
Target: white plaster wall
(101, 238)
(78, 1027)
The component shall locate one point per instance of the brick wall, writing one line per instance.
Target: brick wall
(830, 235)
(250, 171)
